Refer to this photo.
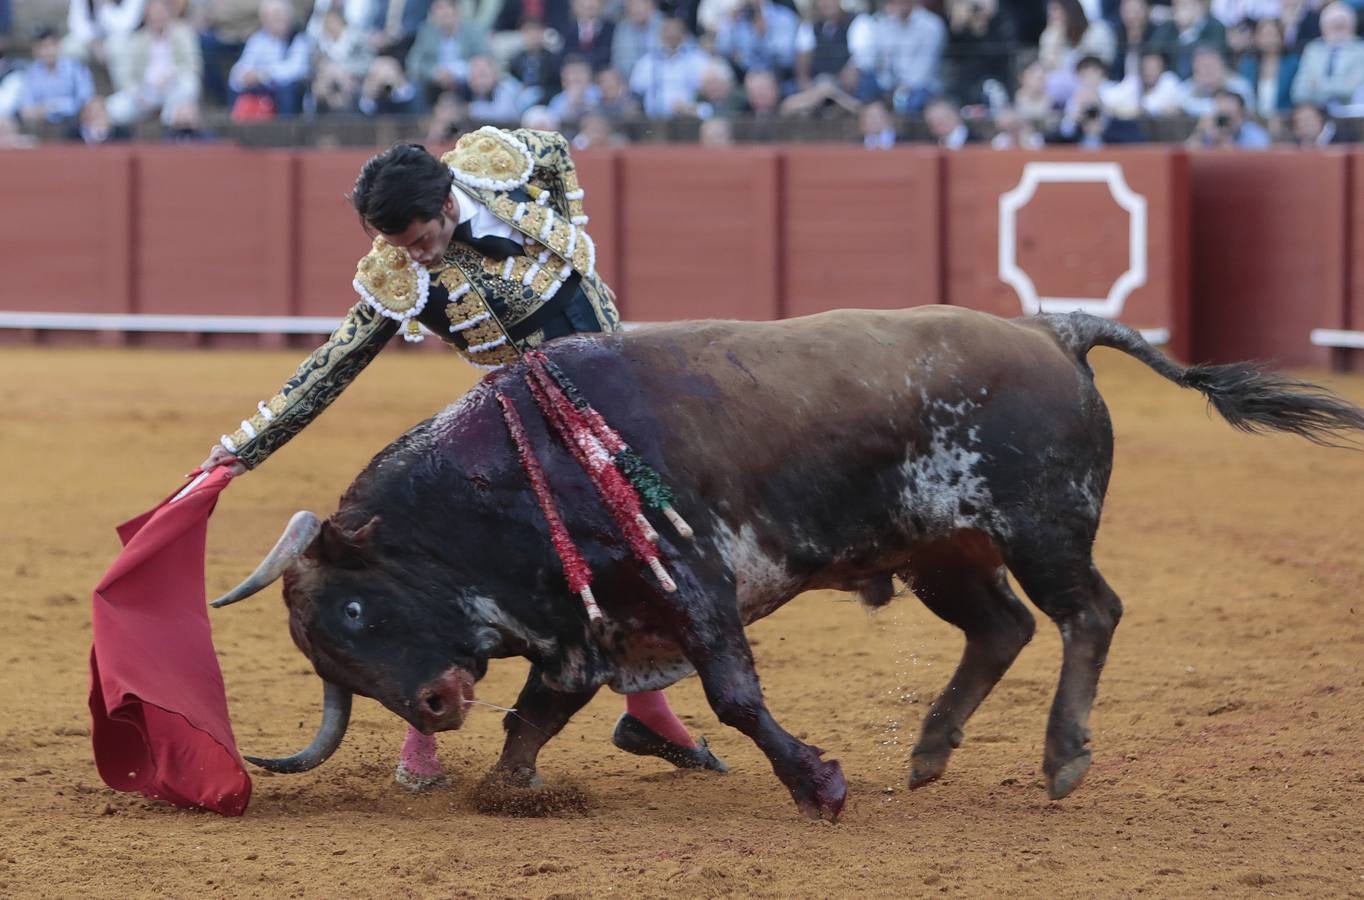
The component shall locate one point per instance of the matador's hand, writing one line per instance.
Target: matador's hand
(220, 456)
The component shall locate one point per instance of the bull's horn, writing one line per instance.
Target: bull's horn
(335, 718)
(298, 534)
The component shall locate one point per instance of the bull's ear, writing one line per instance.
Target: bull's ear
(337, 546)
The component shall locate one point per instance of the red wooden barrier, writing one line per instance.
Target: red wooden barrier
(67, 230)
(329, 240)
(1276, 239)
(860, 229)
(214, 231)
(1060, 230)
(702, 234)
(1269, 253)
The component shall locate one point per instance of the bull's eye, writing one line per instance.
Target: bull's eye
(354, 611)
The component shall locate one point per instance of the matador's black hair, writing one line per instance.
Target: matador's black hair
(402, 185)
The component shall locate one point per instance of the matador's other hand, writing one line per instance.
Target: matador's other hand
(221, 456)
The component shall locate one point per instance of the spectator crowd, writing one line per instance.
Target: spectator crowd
(1011, 73)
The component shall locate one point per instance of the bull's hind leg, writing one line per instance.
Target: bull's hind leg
(962, 581)
(1073, 594)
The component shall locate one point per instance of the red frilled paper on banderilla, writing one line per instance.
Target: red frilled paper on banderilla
(156, 692)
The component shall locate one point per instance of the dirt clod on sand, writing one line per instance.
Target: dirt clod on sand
(497, 795)
(1228, 736)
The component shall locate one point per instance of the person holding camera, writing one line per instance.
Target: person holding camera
(1210, 75)
(1225, 125)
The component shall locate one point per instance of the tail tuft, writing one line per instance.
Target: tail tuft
(1249, 396)
(1255, 400)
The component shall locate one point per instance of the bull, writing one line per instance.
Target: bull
(943, 446)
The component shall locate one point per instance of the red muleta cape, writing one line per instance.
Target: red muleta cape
(156, 692)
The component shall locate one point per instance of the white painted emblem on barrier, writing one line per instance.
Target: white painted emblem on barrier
(1035, 173)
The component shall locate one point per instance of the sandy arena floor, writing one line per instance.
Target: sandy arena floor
(1228, 736)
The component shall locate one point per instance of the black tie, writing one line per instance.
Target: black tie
(489, 246)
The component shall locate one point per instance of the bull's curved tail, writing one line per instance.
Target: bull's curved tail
(1250, 397)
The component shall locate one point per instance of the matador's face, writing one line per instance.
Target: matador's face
(426, 240)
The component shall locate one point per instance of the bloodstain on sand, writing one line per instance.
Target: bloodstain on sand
(1228, 734)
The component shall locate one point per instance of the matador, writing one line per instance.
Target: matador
(488, 248)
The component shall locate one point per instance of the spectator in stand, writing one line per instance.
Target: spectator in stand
(1210, 76)
(979, 55)
(1032, 100)
(1013, 132)
(580, 95)
(717, 132)
(762, 94)
(539, 118)
(276, 61)
(447, 120)
(1225, 125)
(635, 34)
(876, 125)
(616, 102)
(392, 25)
(186, 125)
(1190, 28)
(1301, 25)
(439, 58)
(223, 26)
(387, 91)
(825, 72)
(710, 14)
(97, 29)
(1070, 36)
(1268, 72)
(718, 95)
(1029, 17)
(595, 131)
(1312, 127)
(11, 138)
(822, 49)
(341, 61)
(1133, 37)
(898, 52)
(667, 79)
(1232, 13)
(489, 95)
(590, 34)
(1150, 89)
(1332, 66)
(535, 66)
(760, 36)
(554, 13)
(943, 118)
(56, 88)
(162, 68)
(1087, 123)
(1240, 44)
(94, 127)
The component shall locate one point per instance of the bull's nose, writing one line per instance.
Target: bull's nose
(441, 702)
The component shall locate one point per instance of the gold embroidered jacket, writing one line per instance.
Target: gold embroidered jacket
(488, 309)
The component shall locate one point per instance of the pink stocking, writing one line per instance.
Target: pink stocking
(653, 710)
(419, 754)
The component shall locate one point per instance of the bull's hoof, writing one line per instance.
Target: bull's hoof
(633, 736)
(823, 794)
(925, 768)
(1068, 776)
(418, 782)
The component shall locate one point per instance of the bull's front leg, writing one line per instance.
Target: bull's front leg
(716, 646)
(540, 714)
